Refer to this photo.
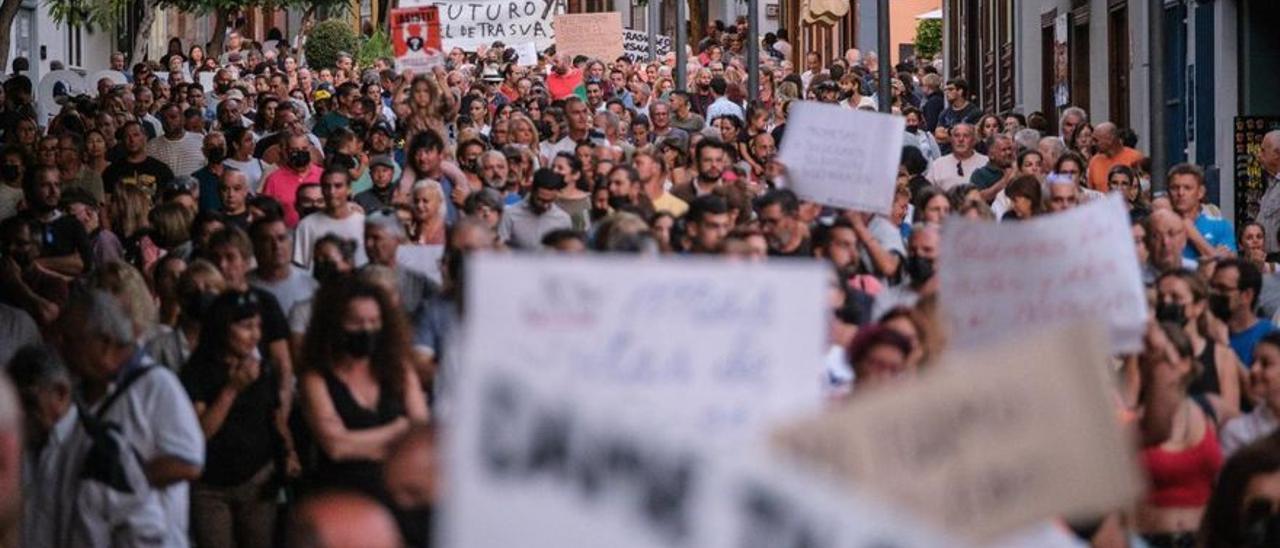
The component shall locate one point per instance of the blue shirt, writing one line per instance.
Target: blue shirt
(1244, 342)
(210, 200)
(1215, 231)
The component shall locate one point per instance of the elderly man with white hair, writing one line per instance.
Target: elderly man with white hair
(162, 444)
(1269, 208)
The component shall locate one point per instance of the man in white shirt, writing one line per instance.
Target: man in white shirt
(178, 148)
(156, 421)
(337, 218)
(955, 169)
(722, 106)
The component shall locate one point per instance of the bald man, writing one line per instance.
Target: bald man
(343, 520)
(1111, 153)
(1269, 208)
(1166, 238)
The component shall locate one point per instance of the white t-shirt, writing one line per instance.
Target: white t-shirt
(251, 169)
(316, 225)
(184, 156)
(296, 287)
(423, 259)
(157, 418)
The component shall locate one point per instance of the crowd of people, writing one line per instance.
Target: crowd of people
(224, 310)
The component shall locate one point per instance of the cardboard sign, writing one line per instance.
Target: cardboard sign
(415, 37)
(1078, 265)
(595, 35)
(635, 44)
(991, 440)
(471, 24)
(562, 469)
(842, 157)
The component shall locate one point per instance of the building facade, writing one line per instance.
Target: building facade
(1221, 61)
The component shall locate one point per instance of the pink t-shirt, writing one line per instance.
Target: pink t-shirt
(283, 185)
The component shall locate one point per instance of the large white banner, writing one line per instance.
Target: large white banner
(991, 440)
(469, 24)
(998, 278)
(842, 157)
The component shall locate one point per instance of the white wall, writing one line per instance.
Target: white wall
(1227, 105)
(1099, 62)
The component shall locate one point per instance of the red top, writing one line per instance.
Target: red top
(283, 185)
(1181, 479)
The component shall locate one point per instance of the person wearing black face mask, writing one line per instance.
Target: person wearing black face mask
(917, 136)
(1183, 299)
(917, 272)
(215, 151)
(198, 286)
(298, 170)
(358, 391)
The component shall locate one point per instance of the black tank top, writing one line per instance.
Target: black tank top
(361, 475)
(1207, 382)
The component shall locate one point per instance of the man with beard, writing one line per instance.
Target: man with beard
(626, 193)
(652, 170)
(763, 150)
(707, 224)
(712, 157)
(64, 246)
(564, 79)
(786, 235)
(524, 224)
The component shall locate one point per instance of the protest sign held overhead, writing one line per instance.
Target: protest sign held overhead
(1077, 265)
(991, 440)
(636, 45)
(842, 157)
(415, 36)
(678, 343)
(595, 35)
(469, 24)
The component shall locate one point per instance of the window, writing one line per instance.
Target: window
(74, 52)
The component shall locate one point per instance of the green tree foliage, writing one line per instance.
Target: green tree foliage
(374, 47)
(328, 39)
(928, 38)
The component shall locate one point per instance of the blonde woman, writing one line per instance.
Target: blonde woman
(524, 132)
(127, 209)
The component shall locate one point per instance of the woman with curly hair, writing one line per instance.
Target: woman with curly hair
(359, 390)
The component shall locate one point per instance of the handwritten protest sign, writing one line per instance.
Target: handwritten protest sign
(581, 450)
(635, 44)
(679, 343)
(470, 24)
(595, 35)
(526, 54)
(842, 157)
(989, 441)
(1077, 265)
(415, 37)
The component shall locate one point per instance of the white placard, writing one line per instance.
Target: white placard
(713, 349)
(469, 24)
(842, 157)
(991, 440)
(998, 278)
(537, 466)
(635, 45)
(526, 54)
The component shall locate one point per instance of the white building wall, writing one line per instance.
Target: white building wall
(1099, 66)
